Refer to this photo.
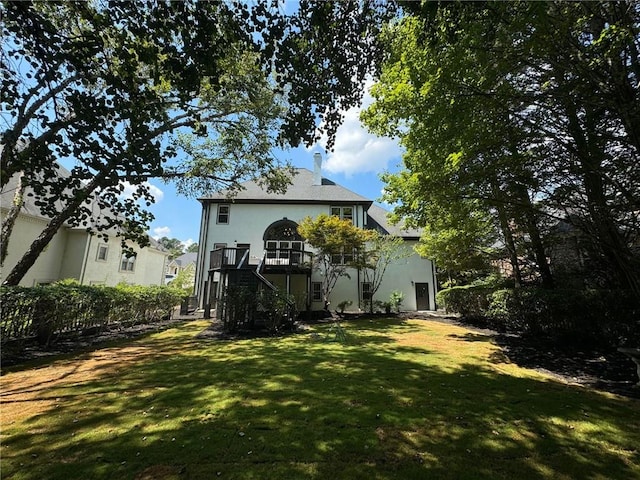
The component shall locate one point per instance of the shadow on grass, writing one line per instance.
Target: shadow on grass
(296, 408)
(472, 337)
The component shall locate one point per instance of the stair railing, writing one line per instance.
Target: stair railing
(243, 259)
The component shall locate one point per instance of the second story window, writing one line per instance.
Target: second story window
(344, 257)
(345, 213)
(223, 214)
(127, 263)
(102, 253)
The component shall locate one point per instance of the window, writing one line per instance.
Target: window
(343, 258)
(102, 253)
(223, 214)
(345, 213)
(316, 291)
(127, 263)
(366, 291)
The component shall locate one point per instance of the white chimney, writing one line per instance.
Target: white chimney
(317, 168)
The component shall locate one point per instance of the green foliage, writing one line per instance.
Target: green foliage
(575, 317)
(123, 89)
(278, 310)
(242, 309)
(344, 304)
(67, 307)
(237, 308)
(410, 400)
(469, 301)
(173, 245)
(185, 279)
(395, 299)
(506, 110)
(379, 252)
(337, 243)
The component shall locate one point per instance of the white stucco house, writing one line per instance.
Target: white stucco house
(254, 235)
(75, 254)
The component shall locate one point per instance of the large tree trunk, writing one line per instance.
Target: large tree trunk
(10, 220)
(531, 222)
(508, 237)
(37, 246)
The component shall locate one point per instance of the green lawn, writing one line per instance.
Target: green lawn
(398, 400)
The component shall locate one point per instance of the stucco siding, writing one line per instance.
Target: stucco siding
(48, 265)
(247, 224)
(74, 253)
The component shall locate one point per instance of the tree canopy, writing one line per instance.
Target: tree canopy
(338, 243)
(196, 92)
(529, 110)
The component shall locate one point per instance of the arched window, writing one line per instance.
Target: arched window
(281, 237)
(283, 230)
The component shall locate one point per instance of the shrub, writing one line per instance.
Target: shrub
(278, 309)
(344, 304)
(470, 301)
(68, 307)
(237, 308)
(396, 299)
(588, 318)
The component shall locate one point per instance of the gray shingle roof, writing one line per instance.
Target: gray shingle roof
(186, 259)
(378, 216)
(301, 191)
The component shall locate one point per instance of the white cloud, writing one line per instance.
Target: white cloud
(188, 242)
(355, 149)
(129, 189)
(160, 232)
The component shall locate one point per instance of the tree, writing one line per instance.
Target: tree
(337, 243)
(173, 245)
(378, 253)
(111, 85)
(516, 105)
(193, 248)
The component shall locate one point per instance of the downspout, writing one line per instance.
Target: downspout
(435, 284)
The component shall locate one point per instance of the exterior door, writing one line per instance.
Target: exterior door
(422, 296)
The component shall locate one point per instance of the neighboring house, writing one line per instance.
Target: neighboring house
(73, 253)
(184, 263)
(254, 235)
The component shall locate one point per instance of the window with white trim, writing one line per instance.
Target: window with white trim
(316, 291)
(366, 291)
(345, 213)
(127, 263)
(103, 250)
(344, 257)
(223, 214)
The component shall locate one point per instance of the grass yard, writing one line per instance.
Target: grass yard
(399, 400)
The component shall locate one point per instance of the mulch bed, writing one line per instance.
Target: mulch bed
(604, 370)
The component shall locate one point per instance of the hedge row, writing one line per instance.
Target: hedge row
(580, 317)
(48, 311)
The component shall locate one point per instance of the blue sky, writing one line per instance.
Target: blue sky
(355, 163)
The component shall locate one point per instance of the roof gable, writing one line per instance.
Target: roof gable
(378, 218)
